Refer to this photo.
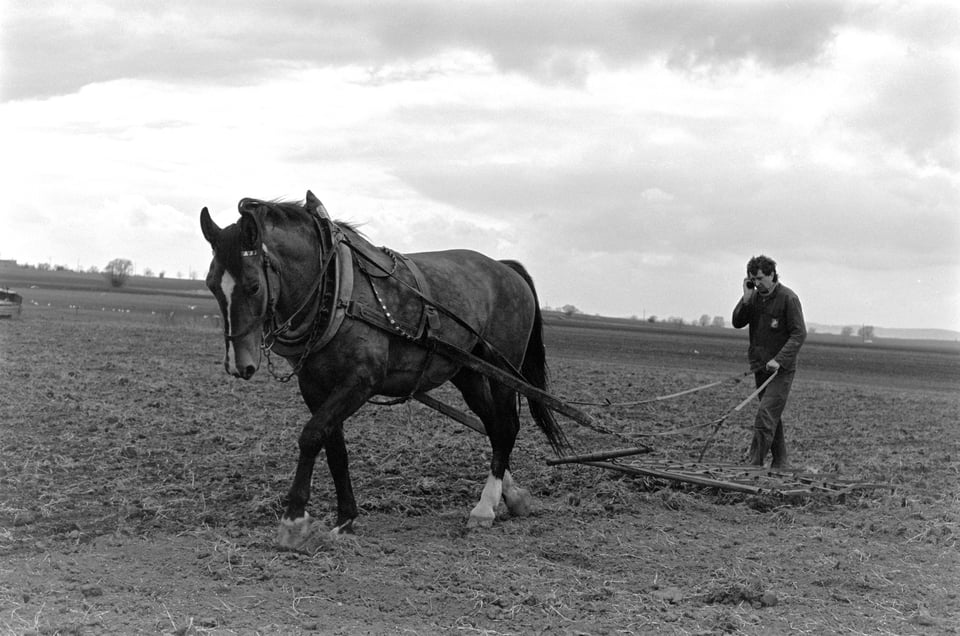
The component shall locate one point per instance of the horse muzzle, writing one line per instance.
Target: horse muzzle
(244, 373)
(239, 361)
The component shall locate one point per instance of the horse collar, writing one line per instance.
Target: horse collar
(317, 312)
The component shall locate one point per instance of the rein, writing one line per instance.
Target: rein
(331, 238)
(269, 302)
(736, 379)
(736, 409)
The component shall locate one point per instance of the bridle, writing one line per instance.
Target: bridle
(273, 329)
(268, 306)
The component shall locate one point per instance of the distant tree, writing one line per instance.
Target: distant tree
(569, 310)
(718, 322)
(118, 271)
(865, 332)
(652, 319)
(148, 272)
(162, 274)
(704, 320)
(93, 269)
(43, 267)
(846, 332)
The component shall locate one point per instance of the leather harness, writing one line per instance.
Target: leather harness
(332, 302)
(318, 319)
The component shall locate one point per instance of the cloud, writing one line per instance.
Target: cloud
(238, 42)
(917, 108)
(551, 40)
(931, 24)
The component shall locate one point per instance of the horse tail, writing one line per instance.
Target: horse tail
(534, 369)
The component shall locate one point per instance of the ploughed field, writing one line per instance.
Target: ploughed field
(140, 488)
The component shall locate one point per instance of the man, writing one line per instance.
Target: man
(777, 332)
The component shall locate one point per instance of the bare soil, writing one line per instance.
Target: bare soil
(140, 487)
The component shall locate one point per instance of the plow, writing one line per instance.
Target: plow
(787, 485)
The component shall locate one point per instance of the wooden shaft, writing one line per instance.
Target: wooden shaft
(451, 412)
(591, 457)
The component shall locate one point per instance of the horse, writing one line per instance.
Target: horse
(355, 322)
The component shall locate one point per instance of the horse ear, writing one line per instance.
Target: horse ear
(314, 206)
(249, 233)
(211, 231)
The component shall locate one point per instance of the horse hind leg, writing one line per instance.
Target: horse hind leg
(497, 408)
(518, 499)
(484, 513)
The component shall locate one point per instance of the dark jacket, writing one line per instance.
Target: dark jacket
(776, 325)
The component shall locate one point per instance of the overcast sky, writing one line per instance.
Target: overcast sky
(633, 155)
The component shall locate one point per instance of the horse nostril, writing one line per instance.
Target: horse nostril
(247, 372)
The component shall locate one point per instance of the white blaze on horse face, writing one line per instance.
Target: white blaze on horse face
(227, 285)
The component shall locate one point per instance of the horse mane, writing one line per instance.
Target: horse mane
(296, 210)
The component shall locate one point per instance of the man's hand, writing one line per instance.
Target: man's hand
(773, 365)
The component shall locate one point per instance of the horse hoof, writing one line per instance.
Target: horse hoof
(344, 528)
(479, 522)
(520, 508)
(295, 534)
(518, 503)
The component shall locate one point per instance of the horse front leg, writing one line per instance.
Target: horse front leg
(338, 464)
(323, 431)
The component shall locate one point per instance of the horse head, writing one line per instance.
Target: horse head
(242, 275)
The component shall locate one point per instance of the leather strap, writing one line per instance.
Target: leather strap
(430, 318)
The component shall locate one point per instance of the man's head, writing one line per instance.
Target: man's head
(762, 272)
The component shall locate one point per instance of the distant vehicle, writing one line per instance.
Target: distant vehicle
(10, 303)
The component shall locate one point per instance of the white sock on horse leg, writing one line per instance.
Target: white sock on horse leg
(485, 511)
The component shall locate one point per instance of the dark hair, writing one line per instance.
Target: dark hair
(764, 264)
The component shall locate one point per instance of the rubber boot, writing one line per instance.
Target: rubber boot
(759, 447)
(779, 450)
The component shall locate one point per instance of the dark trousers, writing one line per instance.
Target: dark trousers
(768, 425)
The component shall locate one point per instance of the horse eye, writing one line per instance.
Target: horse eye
(253, 288)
